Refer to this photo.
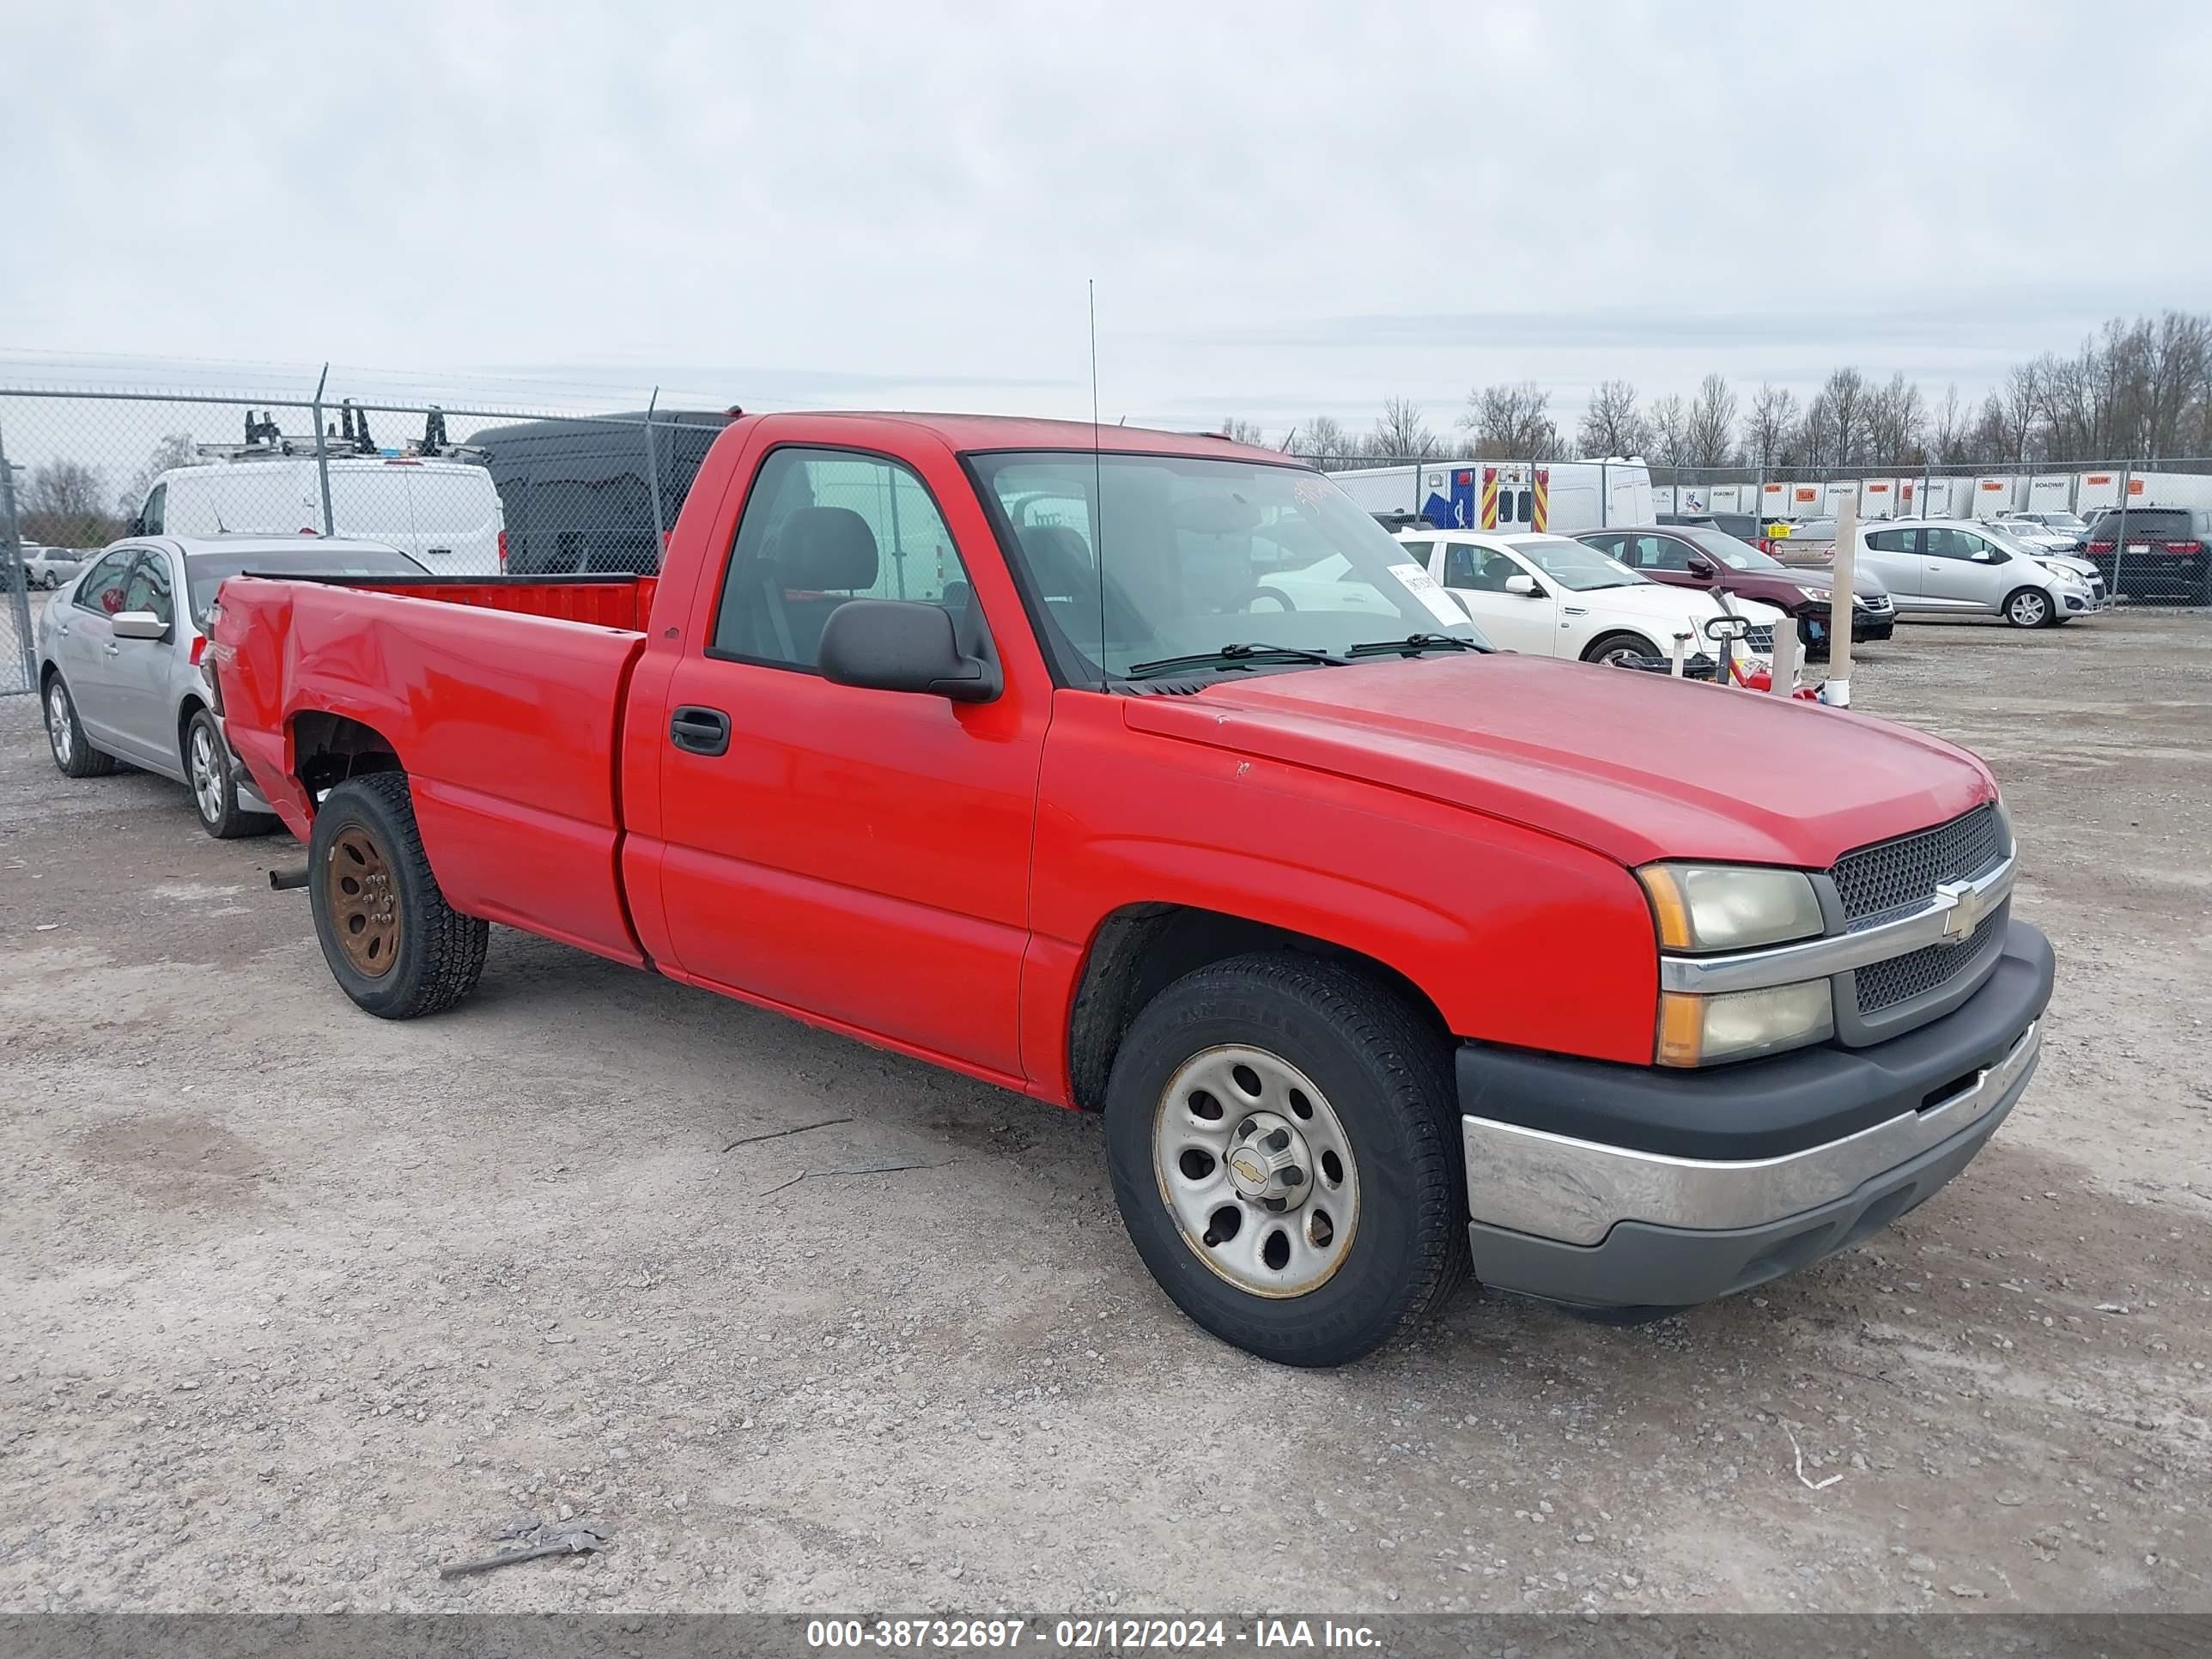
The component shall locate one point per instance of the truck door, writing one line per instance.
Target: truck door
(856, 855)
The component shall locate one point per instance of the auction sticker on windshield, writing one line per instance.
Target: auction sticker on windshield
(1422, 586)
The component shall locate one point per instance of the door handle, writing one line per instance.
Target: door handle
(700, 731)
(112, 648)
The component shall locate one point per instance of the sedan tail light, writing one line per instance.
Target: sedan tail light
(2179, 547)
(502, 552)
(199, 649)
(2102, 547)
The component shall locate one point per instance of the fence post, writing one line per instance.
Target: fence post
(11, 569)
(322, 454)
(652, 480)
(1838, 690)
(2120, 536)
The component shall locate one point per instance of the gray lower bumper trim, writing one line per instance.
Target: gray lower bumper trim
(1576, 1192)
(1641, 1265)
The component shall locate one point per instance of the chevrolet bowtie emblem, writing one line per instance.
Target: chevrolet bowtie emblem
(1965, 912)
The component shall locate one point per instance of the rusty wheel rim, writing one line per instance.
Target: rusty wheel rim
(364, 902)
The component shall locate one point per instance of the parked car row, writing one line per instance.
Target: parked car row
(1958, 567)
(49, 567)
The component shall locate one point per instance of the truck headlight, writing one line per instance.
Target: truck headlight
(1729, 906)
(1703, 1030)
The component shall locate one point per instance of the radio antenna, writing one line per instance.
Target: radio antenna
(1098, 474)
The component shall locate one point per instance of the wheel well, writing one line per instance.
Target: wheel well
(186, 710)
(328, 748)
(1142, 948)
(1612, 636)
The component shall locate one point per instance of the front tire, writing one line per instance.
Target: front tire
(2029, 607)
(65, 739)
(215, 795)
(393, 944)
(1618, 650)
(1282, 1134)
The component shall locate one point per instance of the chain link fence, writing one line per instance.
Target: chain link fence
(464, 491)
(477, 489)
(2146, 526)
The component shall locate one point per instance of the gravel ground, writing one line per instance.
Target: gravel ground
(299, 1305)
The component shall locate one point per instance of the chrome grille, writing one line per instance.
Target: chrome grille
(1885, 985)
(1879, 881)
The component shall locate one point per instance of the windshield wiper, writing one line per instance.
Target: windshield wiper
(1230, 656)
(1412, 645)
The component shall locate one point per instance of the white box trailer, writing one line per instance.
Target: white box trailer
(1732, 498)
(2050, 492)
(1566, 497)
(1945, 498)
(1879, 499)
(2100, 492)
(1994, 497)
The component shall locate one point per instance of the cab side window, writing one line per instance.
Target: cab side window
(821, 526)
(151, 516)
(101, 590)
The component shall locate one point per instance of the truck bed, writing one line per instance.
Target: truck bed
(502, 699)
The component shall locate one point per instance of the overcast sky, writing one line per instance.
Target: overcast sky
(1289, 209)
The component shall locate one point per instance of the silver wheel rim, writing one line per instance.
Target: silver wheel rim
(1619, 655)
(58, 723)
(207, 779)
(1256, 1171)
(2027, 609)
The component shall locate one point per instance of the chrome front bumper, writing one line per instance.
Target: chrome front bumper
(1576, 1192)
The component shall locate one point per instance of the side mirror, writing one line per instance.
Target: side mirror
(1727, 628)
(138, 625)
(1702, 570)
(1524, 585)
(902, 645)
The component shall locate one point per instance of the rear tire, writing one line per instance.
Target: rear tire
(393, 944)
(1611, 648)
(215, 795)
(65, 739)
(1314, 1247)
(2029, 607)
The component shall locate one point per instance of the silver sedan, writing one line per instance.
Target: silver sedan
(119, 651)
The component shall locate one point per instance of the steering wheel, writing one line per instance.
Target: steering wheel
(1264, 590)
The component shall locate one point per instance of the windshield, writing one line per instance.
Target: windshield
(1735, 553)
(1199, 555)
(206, 572)
(1578, 568)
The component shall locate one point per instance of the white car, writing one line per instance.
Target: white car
(1547, 596)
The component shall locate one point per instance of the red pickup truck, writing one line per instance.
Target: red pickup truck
(1385, 956)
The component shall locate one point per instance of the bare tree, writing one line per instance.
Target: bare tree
(1612, 425)
(1324, 439)
(1708, 428)
(1512, 421)
(1243, 431)
(1403, 433)
(1946, 426)
(1768, 429)
(1843, 403)
(1670, 431)
(1896, 425)
(64, 504)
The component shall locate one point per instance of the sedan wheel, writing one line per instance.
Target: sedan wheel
(60, 727)
(2028, 608)
(206, 768)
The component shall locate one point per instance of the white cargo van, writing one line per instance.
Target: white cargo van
(444, 515)
(1562, 497)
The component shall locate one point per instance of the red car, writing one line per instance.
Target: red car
(1386, 957)
(1691, 556)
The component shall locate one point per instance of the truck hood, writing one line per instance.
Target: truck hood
(1633, 765)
